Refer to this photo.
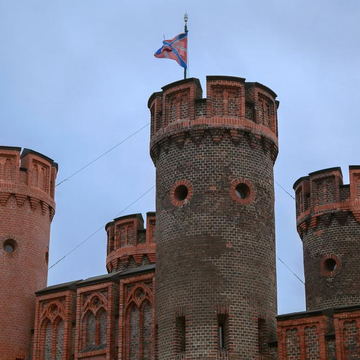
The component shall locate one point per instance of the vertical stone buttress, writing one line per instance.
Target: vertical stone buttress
(328, 222)
(215, 255)
(27, 208)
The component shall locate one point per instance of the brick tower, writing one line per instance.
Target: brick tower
(129, 245)
(26, 210)
(215, 255)
(328, 222)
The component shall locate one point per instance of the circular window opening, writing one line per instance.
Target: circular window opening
(330, 265)
(181, 193)
(242, 191)
(9, 245)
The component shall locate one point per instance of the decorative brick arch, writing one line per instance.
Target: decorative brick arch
(53, 315)
(95, 307)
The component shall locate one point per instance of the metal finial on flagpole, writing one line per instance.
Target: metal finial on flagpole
(186, 17)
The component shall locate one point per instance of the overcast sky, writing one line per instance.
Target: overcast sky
(75, 77)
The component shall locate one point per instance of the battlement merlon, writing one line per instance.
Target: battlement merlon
(231, 104)
(323, 192)
(28, 173)
(127, 238)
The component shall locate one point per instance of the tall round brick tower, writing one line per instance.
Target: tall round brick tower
(328, 222)
(215, 255)
(26, 209)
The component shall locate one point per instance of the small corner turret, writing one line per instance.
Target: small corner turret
(27, 207)
(129, 245)
(328, 222)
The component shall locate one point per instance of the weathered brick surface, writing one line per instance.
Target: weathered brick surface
(292, 344)
(328, 220)
(26, 210)
(330, 349)
(347, 332)
(215, 255)
(302, 336)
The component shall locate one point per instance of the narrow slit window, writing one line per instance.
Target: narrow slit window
(262, 336)
(180, 334)
(223, 324)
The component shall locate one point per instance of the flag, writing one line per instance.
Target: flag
(174, 49)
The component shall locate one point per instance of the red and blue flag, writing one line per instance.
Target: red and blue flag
(174, 49)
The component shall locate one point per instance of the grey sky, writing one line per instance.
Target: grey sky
(75, 77)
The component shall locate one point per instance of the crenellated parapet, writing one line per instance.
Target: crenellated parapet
(322, 195)
(28, 176)
(128, 243)
(243, 111)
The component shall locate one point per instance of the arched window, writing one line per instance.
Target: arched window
(90, 329)
(53, 339)
(134, 333)
(59, 339)
(139, 338)
(95, 329)
(146, 330)
(102, 316)
(48, 340)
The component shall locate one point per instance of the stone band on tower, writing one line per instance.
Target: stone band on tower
(215, 233)
(328, 222)
(27, 207)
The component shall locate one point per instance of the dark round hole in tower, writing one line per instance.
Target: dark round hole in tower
(10, 245)
(330, 265)
(181, 192)
(242, 191)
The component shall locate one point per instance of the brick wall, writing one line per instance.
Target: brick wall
(26, 210)
(302, 336)
(347, 330)
(215, 220)
(331, 334)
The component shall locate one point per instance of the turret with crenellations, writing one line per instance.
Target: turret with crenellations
(328, 221)
(215, 236)
(27, 207)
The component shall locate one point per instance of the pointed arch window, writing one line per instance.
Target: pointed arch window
(53, 335)
(139, 325)
(52, 332)
(94, 324)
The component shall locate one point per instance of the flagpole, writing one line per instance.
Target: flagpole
(186, 30)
